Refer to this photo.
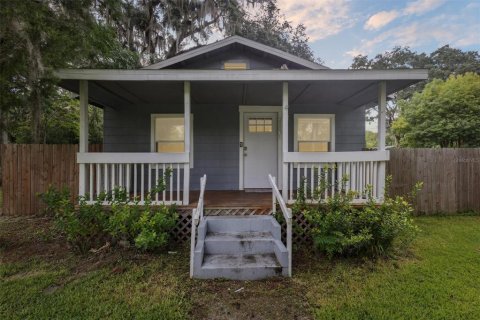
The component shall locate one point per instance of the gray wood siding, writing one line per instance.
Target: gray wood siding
(216, 136)
(255, 61)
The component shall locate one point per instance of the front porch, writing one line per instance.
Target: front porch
(319, 174)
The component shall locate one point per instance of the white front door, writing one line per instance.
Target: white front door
(260, 149)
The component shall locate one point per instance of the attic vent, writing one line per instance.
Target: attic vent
(235, 65)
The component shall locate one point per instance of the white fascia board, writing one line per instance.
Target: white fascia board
(240, 75)
(231, 40)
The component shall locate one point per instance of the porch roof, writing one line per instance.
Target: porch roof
(345, 88)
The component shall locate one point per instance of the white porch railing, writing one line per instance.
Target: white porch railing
(197, 216)
(137, 173)
(287, 214)
(325, 174)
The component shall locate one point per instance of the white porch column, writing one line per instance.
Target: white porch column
(382, 132)
(186, 166)
(83, 138)
(284, 140)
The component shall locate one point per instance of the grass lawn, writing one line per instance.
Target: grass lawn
(40, 278)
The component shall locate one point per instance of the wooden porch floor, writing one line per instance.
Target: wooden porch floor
(232, 199)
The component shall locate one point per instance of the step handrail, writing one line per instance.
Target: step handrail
(287, 214)
(197, 215)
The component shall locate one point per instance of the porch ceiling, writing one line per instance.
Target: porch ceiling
(342, 91)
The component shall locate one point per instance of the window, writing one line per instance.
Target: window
(314, 133)
(235, 65)
(168, 134)
(260, 125)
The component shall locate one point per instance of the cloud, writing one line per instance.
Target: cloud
(421, 6)
(437, 31)
(323, 18)
(381, 19)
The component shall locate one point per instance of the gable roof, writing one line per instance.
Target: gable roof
(230, 41)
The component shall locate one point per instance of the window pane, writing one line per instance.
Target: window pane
(252, 122)
(169, 129)
(170, 146)
(268, 128)
(313, 129)
(312, 146)
(169, 134)
(252, 128)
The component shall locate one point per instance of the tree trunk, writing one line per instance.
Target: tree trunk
(37, 112)
(3, 129)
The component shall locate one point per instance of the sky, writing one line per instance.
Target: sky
(341, 29)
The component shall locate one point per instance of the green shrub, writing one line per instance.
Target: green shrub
(83, 227)
(339, 228)
(144, 226)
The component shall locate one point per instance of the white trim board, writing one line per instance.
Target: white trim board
(229, 41)
(170, 115)
(260, 109)
(414, 75)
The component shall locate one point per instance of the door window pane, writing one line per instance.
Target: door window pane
(260, 125)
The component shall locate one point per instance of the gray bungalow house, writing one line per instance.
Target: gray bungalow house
(235, 110)
(247, 116)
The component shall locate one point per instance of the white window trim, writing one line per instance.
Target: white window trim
(314, 116)
(153, 116)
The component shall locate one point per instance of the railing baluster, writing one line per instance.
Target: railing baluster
(120, 175)
(290, 169)
(157, 181)
(171, 182)
(163, 177)
(135, 181)
(149, 180)
(299, 165)
(312, 181)
(97, 192)
(91, 182)
(105, 178)
(113, 181)
(142, 185)
(127, 178)
(178, 182)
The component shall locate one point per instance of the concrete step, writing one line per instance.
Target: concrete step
(240, 267)
(239, 242)
(238, 224)
(240, 248)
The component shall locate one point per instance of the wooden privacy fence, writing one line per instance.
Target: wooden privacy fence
(451, 178)
(28, 169)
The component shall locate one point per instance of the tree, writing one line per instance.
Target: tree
(158, 29)
(445, 114)
(440, 64)
(38, 36)
(269, 27)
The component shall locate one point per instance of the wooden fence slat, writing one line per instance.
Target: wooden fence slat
(28, 170)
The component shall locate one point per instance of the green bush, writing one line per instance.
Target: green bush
(339, 228)
(83, 227)
(144, 226)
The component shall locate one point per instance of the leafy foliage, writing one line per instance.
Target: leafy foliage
(445, 114)
(60, 121)
(270, 27)
(339, 228)
(441, 63)
(144, 226)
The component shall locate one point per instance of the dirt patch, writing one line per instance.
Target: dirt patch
(276, 298)
(23, 238)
